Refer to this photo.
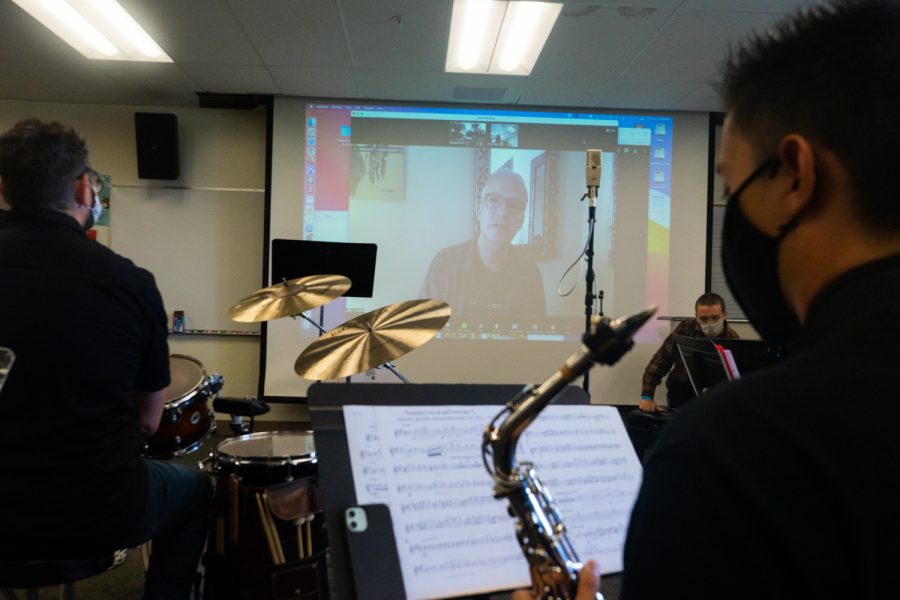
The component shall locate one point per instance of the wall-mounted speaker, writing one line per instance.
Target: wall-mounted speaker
(156, 135)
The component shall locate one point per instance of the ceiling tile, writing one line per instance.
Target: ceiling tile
(232, 79)
(315, 82)
(306, 33)
(509, 85)
(557, 91)
(597, 43)
(402, 34)
(623, 93)
(768, 6)
(150, 83)
(396, 84)
(198, 31)
(692, 44)
(620, 53)
(632, 3)
(703, 98)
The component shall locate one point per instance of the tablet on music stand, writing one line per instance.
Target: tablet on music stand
(300, 258)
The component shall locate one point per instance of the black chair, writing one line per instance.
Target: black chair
(34, 574)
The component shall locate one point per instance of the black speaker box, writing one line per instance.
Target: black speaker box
(156, 135)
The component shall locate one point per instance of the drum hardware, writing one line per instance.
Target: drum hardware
(373, 340)
(242, 411)
(289, 298)
(213, 384)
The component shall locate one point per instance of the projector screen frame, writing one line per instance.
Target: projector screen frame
(695, 283)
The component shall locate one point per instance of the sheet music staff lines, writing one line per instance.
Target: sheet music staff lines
(453, 537)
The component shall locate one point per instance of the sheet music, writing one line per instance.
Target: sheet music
(453, 537)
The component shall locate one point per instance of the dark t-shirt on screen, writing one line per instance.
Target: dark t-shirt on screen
(458, 276)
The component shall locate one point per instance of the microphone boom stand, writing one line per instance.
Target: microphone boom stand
(589, 276)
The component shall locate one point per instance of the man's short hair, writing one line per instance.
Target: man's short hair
(832, 74)
(39, 162)
(710, 299)
(508, 174)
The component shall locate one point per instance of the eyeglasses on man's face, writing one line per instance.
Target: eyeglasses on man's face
(495, 201)
(93, 179)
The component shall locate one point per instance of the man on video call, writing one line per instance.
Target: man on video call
(488, 276)
(784, 484)
(709, 321)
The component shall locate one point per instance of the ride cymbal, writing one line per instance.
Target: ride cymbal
(289, 298)
(372, 339)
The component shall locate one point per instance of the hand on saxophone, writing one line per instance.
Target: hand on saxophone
(589, 582)
(588, 585)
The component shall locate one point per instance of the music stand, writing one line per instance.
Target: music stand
(704, 364)
(326, 402)
(750, 355)
(299, 258)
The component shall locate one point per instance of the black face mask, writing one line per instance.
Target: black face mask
(750, 262)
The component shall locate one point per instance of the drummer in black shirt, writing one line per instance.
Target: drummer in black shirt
(89, 332)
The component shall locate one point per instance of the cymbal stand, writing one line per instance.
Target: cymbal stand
(389, 366)
(319, 325)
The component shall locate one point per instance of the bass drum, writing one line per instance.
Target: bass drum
(187, 420)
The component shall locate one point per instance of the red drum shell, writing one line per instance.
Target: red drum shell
(187, 420)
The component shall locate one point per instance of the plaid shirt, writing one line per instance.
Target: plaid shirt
(667, 355)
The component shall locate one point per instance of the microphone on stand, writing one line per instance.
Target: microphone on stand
(592, 174)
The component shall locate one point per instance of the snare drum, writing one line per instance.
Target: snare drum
(267, 538)
(267, 458)
(187, 420)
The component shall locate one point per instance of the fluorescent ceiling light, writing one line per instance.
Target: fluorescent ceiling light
(99, 29)
(498, 37)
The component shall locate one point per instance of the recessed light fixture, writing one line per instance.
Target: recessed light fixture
(99, 29)
(497, 36)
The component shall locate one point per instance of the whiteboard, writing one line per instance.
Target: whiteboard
(204, 246)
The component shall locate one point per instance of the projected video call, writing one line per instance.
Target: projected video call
(481, 209)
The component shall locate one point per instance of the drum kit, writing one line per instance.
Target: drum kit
(265, 538)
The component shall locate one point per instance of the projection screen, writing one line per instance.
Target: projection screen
(481, 206)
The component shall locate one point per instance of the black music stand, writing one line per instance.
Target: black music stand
(704, 365)
(750, 355)
(326, 402)
(299, 258)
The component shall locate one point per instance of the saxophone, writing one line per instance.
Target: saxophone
(552, 560)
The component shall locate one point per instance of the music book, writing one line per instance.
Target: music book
(454, 538)
(731, 368)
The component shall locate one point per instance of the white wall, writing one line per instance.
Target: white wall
(201, 236)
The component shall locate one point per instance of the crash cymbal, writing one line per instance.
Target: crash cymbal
(372, 339)
(290, 298)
